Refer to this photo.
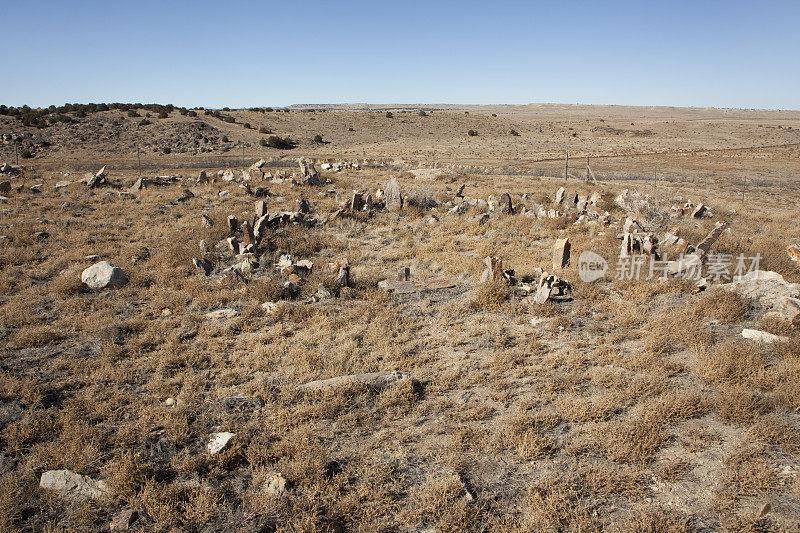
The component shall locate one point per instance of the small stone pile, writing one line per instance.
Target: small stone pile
(688, 208)
(339, 166)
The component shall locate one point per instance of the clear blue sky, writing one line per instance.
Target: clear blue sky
(237, 54)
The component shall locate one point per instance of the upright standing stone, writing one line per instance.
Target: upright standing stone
(505, 204)
(404, 274)
(356, 202)
(261, 208)
(233, 224)
(571, 201)
(343, 276)
(247, 233)
(494, 269)
(303, 206)
(561, 253)
(394, 200)
(559, 196)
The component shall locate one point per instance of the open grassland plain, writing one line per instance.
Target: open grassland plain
(185, 394)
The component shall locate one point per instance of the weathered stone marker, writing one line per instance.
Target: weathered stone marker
(394, 200)
(506, 206)
(561, 253)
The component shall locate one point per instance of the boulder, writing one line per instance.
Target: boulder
(218, 441)
(103, 274)
(771, 292)
(72, 486)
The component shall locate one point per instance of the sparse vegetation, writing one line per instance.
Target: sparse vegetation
(636, 406)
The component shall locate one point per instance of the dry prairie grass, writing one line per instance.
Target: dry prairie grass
(505, 426)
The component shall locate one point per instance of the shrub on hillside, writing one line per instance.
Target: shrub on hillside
(281, 143)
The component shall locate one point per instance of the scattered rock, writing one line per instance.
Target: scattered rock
(376, 380)
(72, 486)
(98, 178)
(123, 520)
(793, 251)
(408, 287)
(222, 313)
(705, 245)
(103, 274)
(763, 336)
(559, 196)
(699, 211)
(276, 485)
(218, 441)
(768, 290)
(203, 265)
